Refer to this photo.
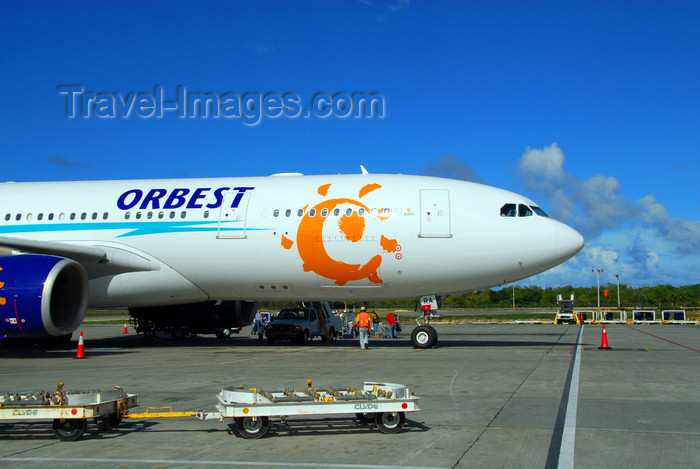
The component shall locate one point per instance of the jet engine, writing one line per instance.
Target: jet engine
(41, 296)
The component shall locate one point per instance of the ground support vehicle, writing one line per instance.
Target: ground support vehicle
(566, 313)
(302, 323)
(182, 321)
(252, 408)
(69, 410)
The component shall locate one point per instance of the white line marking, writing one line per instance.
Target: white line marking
(568, 437)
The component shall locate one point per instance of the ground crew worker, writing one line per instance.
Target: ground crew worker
(375, 324)
(363, 323)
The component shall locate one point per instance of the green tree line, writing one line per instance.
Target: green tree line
(659, 296)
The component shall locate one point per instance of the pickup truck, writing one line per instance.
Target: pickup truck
(302, 323)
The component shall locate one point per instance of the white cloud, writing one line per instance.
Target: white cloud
(547, 163)
(649, 246)
(451, 167)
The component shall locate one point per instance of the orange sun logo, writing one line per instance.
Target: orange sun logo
(351, 226)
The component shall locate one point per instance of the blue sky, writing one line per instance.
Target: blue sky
(592, 109)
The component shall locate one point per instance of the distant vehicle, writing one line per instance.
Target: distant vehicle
(303, 323)
(566, 313)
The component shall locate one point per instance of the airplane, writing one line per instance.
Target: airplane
(211, 248)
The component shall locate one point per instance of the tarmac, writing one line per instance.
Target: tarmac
(506, 395)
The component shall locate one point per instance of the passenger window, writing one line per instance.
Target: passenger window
(138, 215)
(149, 215)
(206, 214)
(127, 215)
(83, 216)
(312, 212)
(40, 216)
(50, 216)
(94, 215)
(336, 212)
(300, 212)
(324, 212)
(7, 217)
(18, 217)
(160, 214)
(288, 213)
(105, 215)
(29, 217)
(172, 214)
(508, 210)
(183, 214)
(361, 211)
(348, 212)
(62, 216)
(72, 216)
(524, 211)
(276, 213)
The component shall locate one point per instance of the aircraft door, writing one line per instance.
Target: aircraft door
(435, 213)
(232, 221)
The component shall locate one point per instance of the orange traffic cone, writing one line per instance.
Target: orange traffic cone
(81, 347)
(260, 337)
(125, 330)
(604, 341)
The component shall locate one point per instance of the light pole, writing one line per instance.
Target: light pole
(617, 276)
(513, 297)
(597, 275)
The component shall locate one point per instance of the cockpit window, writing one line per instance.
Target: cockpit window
(524, 211)
(508, 210)
(539, 211)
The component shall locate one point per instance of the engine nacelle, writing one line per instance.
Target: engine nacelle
(41, 296)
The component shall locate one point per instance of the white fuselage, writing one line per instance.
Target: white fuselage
(285, 237)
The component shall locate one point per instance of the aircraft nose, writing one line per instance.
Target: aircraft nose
(569, 241)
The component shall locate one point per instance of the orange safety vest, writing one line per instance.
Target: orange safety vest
(363, 319)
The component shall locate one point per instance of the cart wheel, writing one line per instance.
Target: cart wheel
(366, 417)
(252, 427)
(103, 424)
(114, 419)
(69, 429)
(424, 337)
(390, 422)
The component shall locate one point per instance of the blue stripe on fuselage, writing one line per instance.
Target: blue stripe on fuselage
(135, 228)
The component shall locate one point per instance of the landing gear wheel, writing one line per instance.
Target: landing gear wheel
(69, 429)
(390, 422)
(252, 427)
(223, 333)
(424, 337)
(366, 417)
